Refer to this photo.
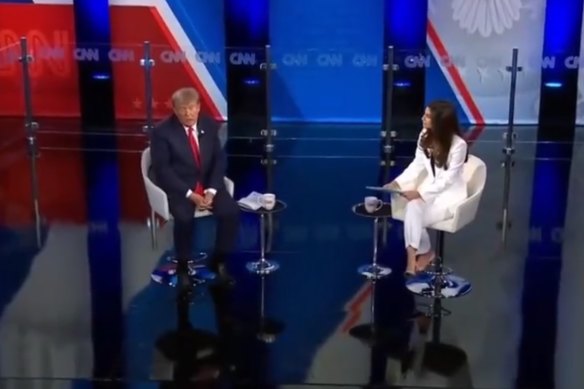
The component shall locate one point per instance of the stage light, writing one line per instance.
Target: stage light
(252, 82)
(553, 84)
(101, 76)
(402, 84)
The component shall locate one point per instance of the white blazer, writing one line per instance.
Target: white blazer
(445, 189)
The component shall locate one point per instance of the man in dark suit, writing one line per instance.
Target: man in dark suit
(189, 165)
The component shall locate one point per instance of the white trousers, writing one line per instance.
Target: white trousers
(418, 216)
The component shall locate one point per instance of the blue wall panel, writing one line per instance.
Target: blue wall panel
(329, 60)
(201, 21)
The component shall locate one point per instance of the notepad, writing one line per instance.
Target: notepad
(382, 189)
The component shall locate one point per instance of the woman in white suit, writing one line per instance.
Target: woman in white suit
(441, 153)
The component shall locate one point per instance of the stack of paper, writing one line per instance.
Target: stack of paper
(251, 201)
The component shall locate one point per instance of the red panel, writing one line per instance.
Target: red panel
(61, 181)
(54, 76)
(56, 93)
(54, 80)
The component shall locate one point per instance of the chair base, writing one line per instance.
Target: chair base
(438, 281)
(435, 268)
(198, 258)
(374, 271)
(438, 286)
(262, 267)
(166, 274)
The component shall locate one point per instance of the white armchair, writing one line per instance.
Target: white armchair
(158, 199)
(475, 175)
(437, 281)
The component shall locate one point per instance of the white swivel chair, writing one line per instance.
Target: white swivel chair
(438, 282)
(159, 201)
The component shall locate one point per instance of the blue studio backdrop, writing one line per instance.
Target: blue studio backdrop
(321, 46)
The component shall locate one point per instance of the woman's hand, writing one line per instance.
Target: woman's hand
(411, 195)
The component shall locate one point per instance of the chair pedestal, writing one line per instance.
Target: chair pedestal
(436, 283)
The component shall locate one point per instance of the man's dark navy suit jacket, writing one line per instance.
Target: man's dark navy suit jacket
(173, 162)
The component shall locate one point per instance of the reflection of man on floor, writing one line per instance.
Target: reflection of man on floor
(189, 357)
(186, 357)
(189, 165)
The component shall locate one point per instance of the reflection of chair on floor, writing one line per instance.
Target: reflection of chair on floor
(439, 282)
(448, 362)
(187, 357)
(158, 200)
(45, 328)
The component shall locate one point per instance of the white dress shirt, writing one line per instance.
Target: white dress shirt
(213, 191)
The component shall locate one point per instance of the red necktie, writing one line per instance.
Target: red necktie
(195, 148)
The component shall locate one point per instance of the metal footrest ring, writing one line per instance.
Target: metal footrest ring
(198, 258)
(166, 274)
(438, 286)
(434, 269)
(374, 271)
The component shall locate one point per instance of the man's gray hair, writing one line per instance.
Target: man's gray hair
(185, 96)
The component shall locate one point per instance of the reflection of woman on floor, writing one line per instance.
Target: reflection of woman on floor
(440, 153)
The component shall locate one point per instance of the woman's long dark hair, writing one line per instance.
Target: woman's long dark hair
(444, 126)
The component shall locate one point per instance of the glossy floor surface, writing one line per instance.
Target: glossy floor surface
(78, 303)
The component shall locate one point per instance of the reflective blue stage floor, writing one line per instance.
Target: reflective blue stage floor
(83, 304)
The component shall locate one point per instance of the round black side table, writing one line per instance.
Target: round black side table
(263, 266)
(373, 271)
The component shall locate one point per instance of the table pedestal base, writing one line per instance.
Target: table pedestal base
(262, 267)
(374, 271)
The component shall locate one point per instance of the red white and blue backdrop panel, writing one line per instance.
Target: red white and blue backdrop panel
(188, 43)
(469, 48)
(471, 43)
